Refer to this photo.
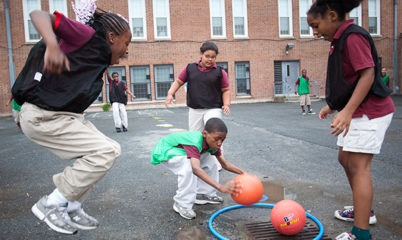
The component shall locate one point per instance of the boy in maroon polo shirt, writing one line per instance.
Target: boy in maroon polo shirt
(355, 89)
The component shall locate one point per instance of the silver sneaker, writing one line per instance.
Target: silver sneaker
(204, 199)
(185, 213)
(82, 220)
(55, 217)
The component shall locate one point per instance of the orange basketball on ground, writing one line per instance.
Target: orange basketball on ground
(251, 189)
(288, 217)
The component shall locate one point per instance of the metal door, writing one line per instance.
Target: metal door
(290, 72)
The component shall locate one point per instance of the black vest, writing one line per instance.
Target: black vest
(204, 88)
(338, 89)
(118, 93)
(70, 91)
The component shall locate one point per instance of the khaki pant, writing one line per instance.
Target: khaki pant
(305, 99)
(70, 136)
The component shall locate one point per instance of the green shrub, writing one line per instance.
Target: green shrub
(106, 107)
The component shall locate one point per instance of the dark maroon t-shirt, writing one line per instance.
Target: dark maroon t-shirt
(72, 34)
(357, 56)
(192, 151)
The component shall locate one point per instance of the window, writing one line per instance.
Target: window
(242, 78)
(138, 19)
(140, 82)
(356, 15)
(31, 35)
(161, 19)
(218, 25)
(163, 80)
(285, 18)
(304, 6)
(223, 65)
(374, 16)
(58, 5)
(240, 18)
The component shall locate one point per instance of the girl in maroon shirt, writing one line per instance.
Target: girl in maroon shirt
(360, 124)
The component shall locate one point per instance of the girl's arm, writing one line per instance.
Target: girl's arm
(226, 100)
(173, 89)
(54, 58)
(342, 120)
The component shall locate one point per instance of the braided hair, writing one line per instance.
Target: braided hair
(89, 14)
(320, 7)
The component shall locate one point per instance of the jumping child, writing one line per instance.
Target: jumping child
(354, 88)
(183, 153)
(61, 78)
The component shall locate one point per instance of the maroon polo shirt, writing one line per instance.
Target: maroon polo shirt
(357, 56)
(192, 151)
(73, 34)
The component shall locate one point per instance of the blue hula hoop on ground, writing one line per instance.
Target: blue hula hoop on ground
(211, 219)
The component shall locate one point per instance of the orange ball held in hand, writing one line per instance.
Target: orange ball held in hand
(288, 217)
(251, 189)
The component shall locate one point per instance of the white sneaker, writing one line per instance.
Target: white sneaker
(82, 220)
(185, 213)
(55, 217)
(348, 214)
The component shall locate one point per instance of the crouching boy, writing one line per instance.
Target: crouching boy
(183, 153)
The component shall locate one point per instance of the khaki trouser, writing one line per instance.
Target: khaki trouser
(70, 136)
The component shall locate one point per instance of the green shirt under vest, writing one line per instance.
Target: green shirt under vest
(385, 79)
(304, 86)
(166, 148)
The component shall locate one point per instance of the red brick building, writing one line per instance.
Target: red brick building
(263, 44)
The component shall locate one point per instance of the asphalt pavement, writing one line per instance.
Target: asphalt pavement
(294, 155)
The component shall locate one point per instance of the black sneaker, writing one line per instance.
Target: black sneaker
(118, 129)
(125, 129)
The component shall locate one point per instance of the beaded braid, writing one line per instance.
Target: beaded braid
(88, 13)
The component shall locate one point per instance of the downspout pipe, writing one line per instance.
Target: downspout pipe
(11, 67)
(395, 51)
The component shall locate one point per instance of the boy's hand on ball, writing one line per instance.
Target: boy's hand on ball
(229, 187)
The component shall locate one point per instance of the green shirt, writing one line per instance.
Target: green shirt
(304, 86)
(166, 148)
(385, 79)
(16, 106)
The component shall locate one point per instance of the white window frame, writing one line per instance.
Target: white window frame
(64, 11)
(290, 35)
(303, 13)
(244, 15)
(168, 37)
(359, 14)
(171, 79)
(378, 16)
(26, 13)
(132, 6)
(222, 15)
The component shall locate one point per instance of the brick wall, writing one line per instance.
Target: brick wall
(190, 26)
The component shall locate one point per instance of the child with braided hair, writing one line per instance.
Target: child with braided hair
(354, 88)
(61, 78)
